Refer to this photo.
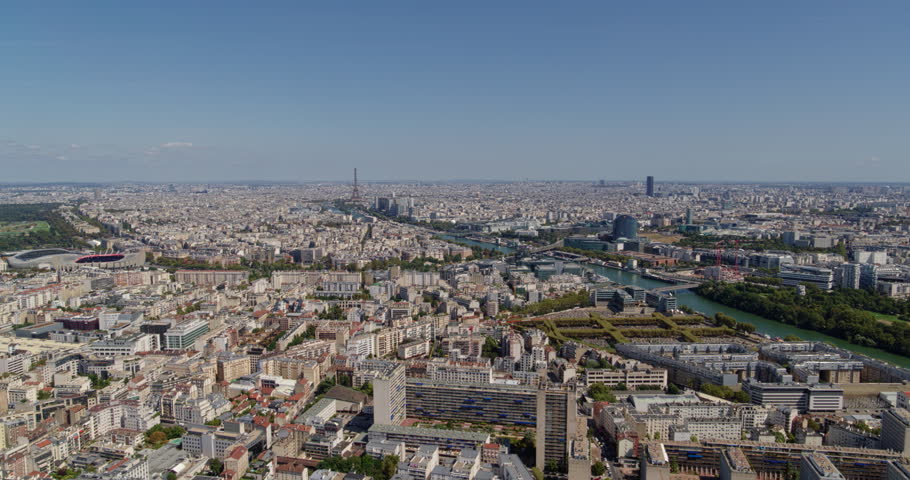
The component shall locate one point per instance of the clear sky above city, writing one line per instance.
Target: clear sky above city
(304, 91)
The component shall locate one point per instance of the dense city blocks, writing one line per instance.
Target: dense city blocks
(483, 240)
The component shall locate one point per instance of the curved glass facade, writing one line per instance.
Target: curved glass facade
(25, 256)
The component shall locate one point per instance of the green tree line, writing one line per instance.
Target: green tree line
(60, 234)
(365, 465)
(834, 313)
(580, 298)
(763, 244)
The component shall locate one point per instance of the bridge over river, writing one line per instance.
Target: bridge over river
(673, 288)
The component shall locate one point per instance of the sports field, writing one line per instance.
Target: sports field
(885, 318)
(662, 237)
(12, 229)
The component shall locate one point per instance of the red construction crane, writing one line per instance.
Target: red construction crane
(736, 256)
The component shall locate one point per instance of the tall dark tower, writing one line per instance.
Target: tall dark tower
(650, 187)
(355, 192)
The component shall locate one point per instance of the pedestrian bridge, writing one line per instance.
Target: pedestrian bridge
(673, 288)
(544, 248)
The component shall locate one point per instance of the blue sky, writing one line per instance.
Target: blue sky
(303, 91)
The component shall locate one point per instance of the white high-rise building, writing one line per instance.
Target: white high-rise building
(389, 395)
(847, 275)
(896, 431)
(869, 257)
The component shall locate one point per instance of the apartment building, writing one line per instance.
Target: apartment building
(213, 277)
(735, 466)
(793, 275)
(130, 415)
(472, 402)
(211, 443)
(707, 428)
(292, 368)
(896, 431)
(817, 466)
(421, 464)
(447, 371)
(804, 397)
(557, 420)
(231, 366)
(633, 379)
(414, 437)
(465, 345)
(413, 349)
(125, 346)
(389, 398)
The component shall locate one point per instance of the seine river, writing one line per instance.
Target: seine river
(701, 304)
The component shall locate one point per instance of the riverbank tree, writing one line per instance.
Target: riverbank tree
(828, 313)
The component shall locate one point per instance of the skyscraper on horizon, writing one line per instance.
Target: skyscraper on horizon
(650, 186)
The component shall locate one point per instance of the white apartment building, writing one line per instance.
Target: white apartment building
(708, 429)
(413, 348)
(362, 344)
(466, 466)
(651, 377)
(425, 459)
(22, 394)
(114, 347)
(210, 443)
(199, 410)
(120, 414)
(459, 372)
(15, 361)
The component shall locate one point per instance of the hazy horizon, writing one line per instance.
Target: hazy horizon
(595, 182)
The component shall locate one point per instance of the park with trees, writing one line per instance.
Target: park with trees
(844, 314)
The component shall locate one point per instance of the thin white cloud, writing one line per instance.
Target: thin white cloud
(60, 157)
(868, 162)
(75, 146)
(177, 145)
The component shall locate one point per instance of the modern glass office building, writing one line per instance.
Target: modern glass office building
(183, 336)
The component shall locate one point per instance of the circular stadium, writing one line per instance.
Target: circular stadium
(60, 259)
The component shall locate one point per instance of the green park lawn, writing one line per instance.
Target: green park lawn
(18, 228)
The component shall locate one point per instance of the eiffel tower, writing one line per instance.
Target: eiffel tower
(355, 191)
